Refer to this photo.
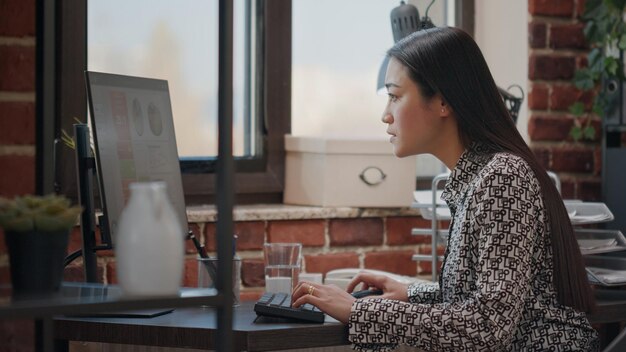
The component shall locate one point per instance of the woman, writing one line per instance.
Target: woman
(512, 278)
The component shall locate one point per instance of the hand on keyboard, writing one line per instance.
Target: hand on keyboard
(279, 305)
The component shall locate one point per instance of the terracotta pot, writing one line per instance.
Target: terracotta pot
(36, 260)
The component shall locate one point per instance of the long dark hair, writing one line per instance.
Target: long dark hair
(448, 61)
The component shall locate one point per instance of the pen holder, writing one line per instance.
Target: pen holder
(207, 274)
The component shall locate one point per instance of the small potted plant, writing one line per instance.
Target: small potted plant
(36, 230)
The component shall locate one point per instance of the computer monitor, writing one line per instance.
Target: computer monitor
(133, 131)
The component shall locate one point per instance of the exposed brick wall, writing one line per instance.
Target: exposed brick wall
(557, 47)
(17, 134)
(383, 243)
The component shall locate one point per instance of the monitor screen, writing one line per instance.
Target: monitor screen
(133, 130)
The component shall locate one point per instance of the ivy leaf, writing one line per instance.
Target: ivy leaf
(622, 42)
(583, 79)
(589, 133)
(598, 109)
(611, 65)
(618, 4)
(576, 133)
(592, 9)
(594, 58)
(577, 109)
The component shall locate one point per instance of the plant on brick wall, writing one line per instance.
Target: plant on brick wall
(605, 32)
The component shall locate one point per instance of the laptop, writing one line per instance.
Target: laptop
(133, 132)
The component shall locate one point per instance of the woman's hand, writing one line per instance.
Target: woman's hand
(391, 288)
(328, 298)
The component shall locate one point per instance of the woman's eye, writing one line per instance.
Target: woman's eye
(392, 97)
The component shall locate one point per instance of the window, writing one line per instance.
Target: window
(129, 37)
(177, 41)
(338, 49)
(271, 25)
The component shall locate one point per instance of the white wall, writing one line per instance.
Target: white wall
(501, 31)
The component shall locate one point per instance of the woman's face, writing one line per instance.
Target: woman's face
(414, 122)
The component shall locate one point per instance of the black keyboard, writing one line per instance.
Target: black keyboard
(279, 305)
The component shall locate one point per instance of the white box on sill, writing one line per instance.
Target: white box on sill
(347, 172)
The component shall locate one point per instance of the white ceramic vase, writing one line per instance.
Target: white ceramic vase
(150, 243)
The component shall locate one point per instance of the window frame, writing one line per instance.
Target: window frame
(257, 180)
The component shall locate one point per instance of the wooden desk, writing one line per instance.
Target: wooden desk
(196, 328)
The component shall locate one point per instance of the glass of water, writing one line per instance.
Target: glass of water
(282, 266)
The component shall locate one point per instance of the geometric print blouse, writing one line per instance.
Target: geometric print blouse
(495, 290)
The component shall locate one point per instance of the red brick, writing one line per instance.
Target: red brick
(18, 18)
(543, 156)
(251, 235)
(244, 237)
(551, 67)
(3, 247)
(209, 237)
(399, 230)
(398, 262)
(253, 273)
(17, 68)
(556, 8)
(567, 36)
(538, 97)
(568, 188)
(21, 179)
(323, 263)
(581, 61)
(356, 232)
(112, 272)
(75, 242)
(572, 160)
(5, 274)
(597, 155)
(580, 8)
(308, 232)
(17, 335)
(190, 274)
(17, 123)
(563, 96)
(549, 128)
(537, 34)
(590, 190)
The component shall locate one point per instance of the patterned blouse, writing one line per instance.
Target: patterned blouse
(496, 281)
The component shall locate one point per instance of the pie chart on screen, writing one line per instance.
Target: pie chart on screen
(155, 121)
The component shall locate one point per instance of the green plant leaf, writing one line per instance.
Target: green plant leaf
(583, 79)
(594, 57)
(577, 109)
(617, 4)
(598, 109)
(622, 42)
(589, 133)
(576, 133)
(611, 65)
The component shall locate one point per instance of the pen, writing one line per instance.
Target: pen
(196, 243)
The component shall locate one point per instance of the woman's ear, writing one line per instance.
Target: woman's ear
(444, 108)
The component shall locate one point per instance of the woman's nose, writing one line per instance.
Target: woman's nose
(387, 118)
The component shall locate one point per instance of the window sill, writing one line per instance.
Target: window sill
(208, 213)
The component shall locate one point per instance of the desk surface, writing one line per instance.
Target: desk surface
(81, 298)
(196, 328)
